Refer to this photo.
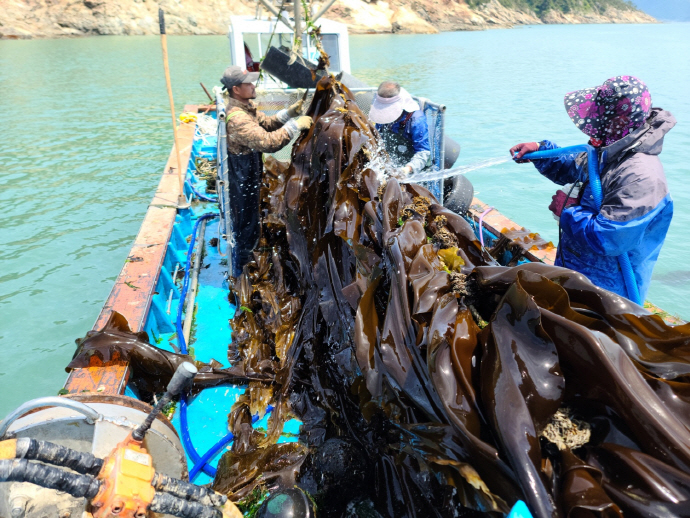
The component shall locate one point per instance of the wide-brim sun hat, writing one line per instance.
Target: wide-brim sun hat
(385, 110)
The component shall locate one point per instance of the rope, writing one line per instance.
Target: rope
(481, 228)
(270, 39)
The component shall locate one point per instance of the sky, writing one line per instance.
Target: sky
(666, 10)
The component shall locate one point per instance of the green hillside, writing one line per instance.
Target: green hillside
(566, 6)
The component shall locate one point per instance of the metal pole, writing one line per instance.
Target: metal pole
(275, 13)
(209, 95)
(323, 10)
(298, 22)
(189, 309)
(182, 202)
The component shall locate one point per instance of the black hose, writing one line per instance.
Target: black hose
(51, 453)
(79, 486)
(168, 504)
(187, 491)
(139, 433)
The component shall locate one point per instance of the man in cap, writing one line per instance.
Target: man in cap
(251, 133)
(402, 126)
(636, 211)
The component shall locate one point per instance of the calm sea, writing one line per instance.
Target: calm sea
(85, 133)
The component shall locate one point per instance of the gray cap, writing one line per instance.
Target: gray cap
(235, 76)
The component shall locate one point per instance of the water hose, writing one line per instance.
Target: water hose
(595, 186)
(200, 463)
(213, 450)
(201, 196)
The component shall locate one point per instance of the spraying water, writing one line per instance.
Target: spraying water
(429, 176)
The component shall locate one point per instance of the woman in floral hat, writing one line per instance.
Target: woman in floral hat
(637, 208)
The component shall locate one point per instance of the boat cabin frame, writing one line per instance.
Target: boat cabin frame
(250, 38)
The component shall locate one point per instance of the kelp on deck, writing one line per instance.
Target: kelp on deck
(365, 303)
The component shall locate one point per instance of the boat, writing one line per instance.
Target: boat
(173, 292)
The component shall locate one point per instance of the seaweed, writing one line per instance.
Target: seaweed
(401, 345)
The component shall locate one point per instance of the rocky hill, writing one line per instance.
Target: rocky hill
(65, 18)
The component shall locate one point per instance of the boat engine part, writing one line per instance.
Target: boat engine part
(595, 186)
(296, 75)
(124, 483)
(88, 412)
(458, 193)
(183, 376)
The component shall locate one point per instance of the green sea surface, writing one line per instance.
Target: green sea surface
(86, 131)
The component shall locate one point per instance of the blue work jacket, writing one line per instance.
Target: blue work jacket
(636, 210)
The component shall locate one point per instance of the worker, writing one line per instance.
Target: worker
(403, 128)
(628, 134)
(251, 133)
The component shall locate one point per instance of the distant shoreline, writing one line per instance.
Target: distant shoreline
(53, 19)
(351, 33)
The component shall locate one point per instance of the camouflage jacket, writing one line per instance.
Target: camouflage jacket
(251, 130)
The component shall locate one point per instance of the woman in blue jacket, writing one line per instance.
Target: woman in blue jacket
(637, 207)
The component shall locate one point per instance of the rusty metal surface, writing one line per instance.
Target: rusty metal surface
(535, 248)
(132, 292)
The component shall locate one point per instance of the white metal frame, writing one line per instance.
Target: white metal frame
(240, 25)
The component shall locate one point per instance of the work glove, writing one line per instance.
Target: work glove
(520, 150)
(403, 172)
(296, 109)
(304, 122)
(294, 126)
(565, 197)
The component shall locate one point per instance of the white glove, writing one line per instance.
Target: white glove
(296, 109)
(295, 126)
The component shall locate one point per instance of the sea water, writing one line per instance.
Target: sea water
(85, 134)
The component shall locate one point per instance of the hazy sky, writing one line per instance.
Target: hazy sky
(670, 10)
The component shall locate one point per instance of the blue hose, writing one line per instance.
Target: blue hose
(184, 424)
(202, 197)
(213, 450)
(595, 186)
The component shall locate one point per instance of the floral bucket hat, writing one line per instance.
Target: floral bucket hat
(609, 112)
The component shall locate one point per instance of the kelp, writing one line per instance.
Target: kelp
(151, 367)
(384, 325)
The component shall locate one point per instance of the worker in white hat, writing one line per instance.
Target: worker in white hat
(402, 126)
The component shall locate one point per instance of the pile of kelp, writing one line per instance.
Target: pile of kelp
(429, 381)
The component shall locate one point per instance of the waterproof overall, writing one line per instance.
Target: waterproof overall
(244, 189)
(250, 133)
